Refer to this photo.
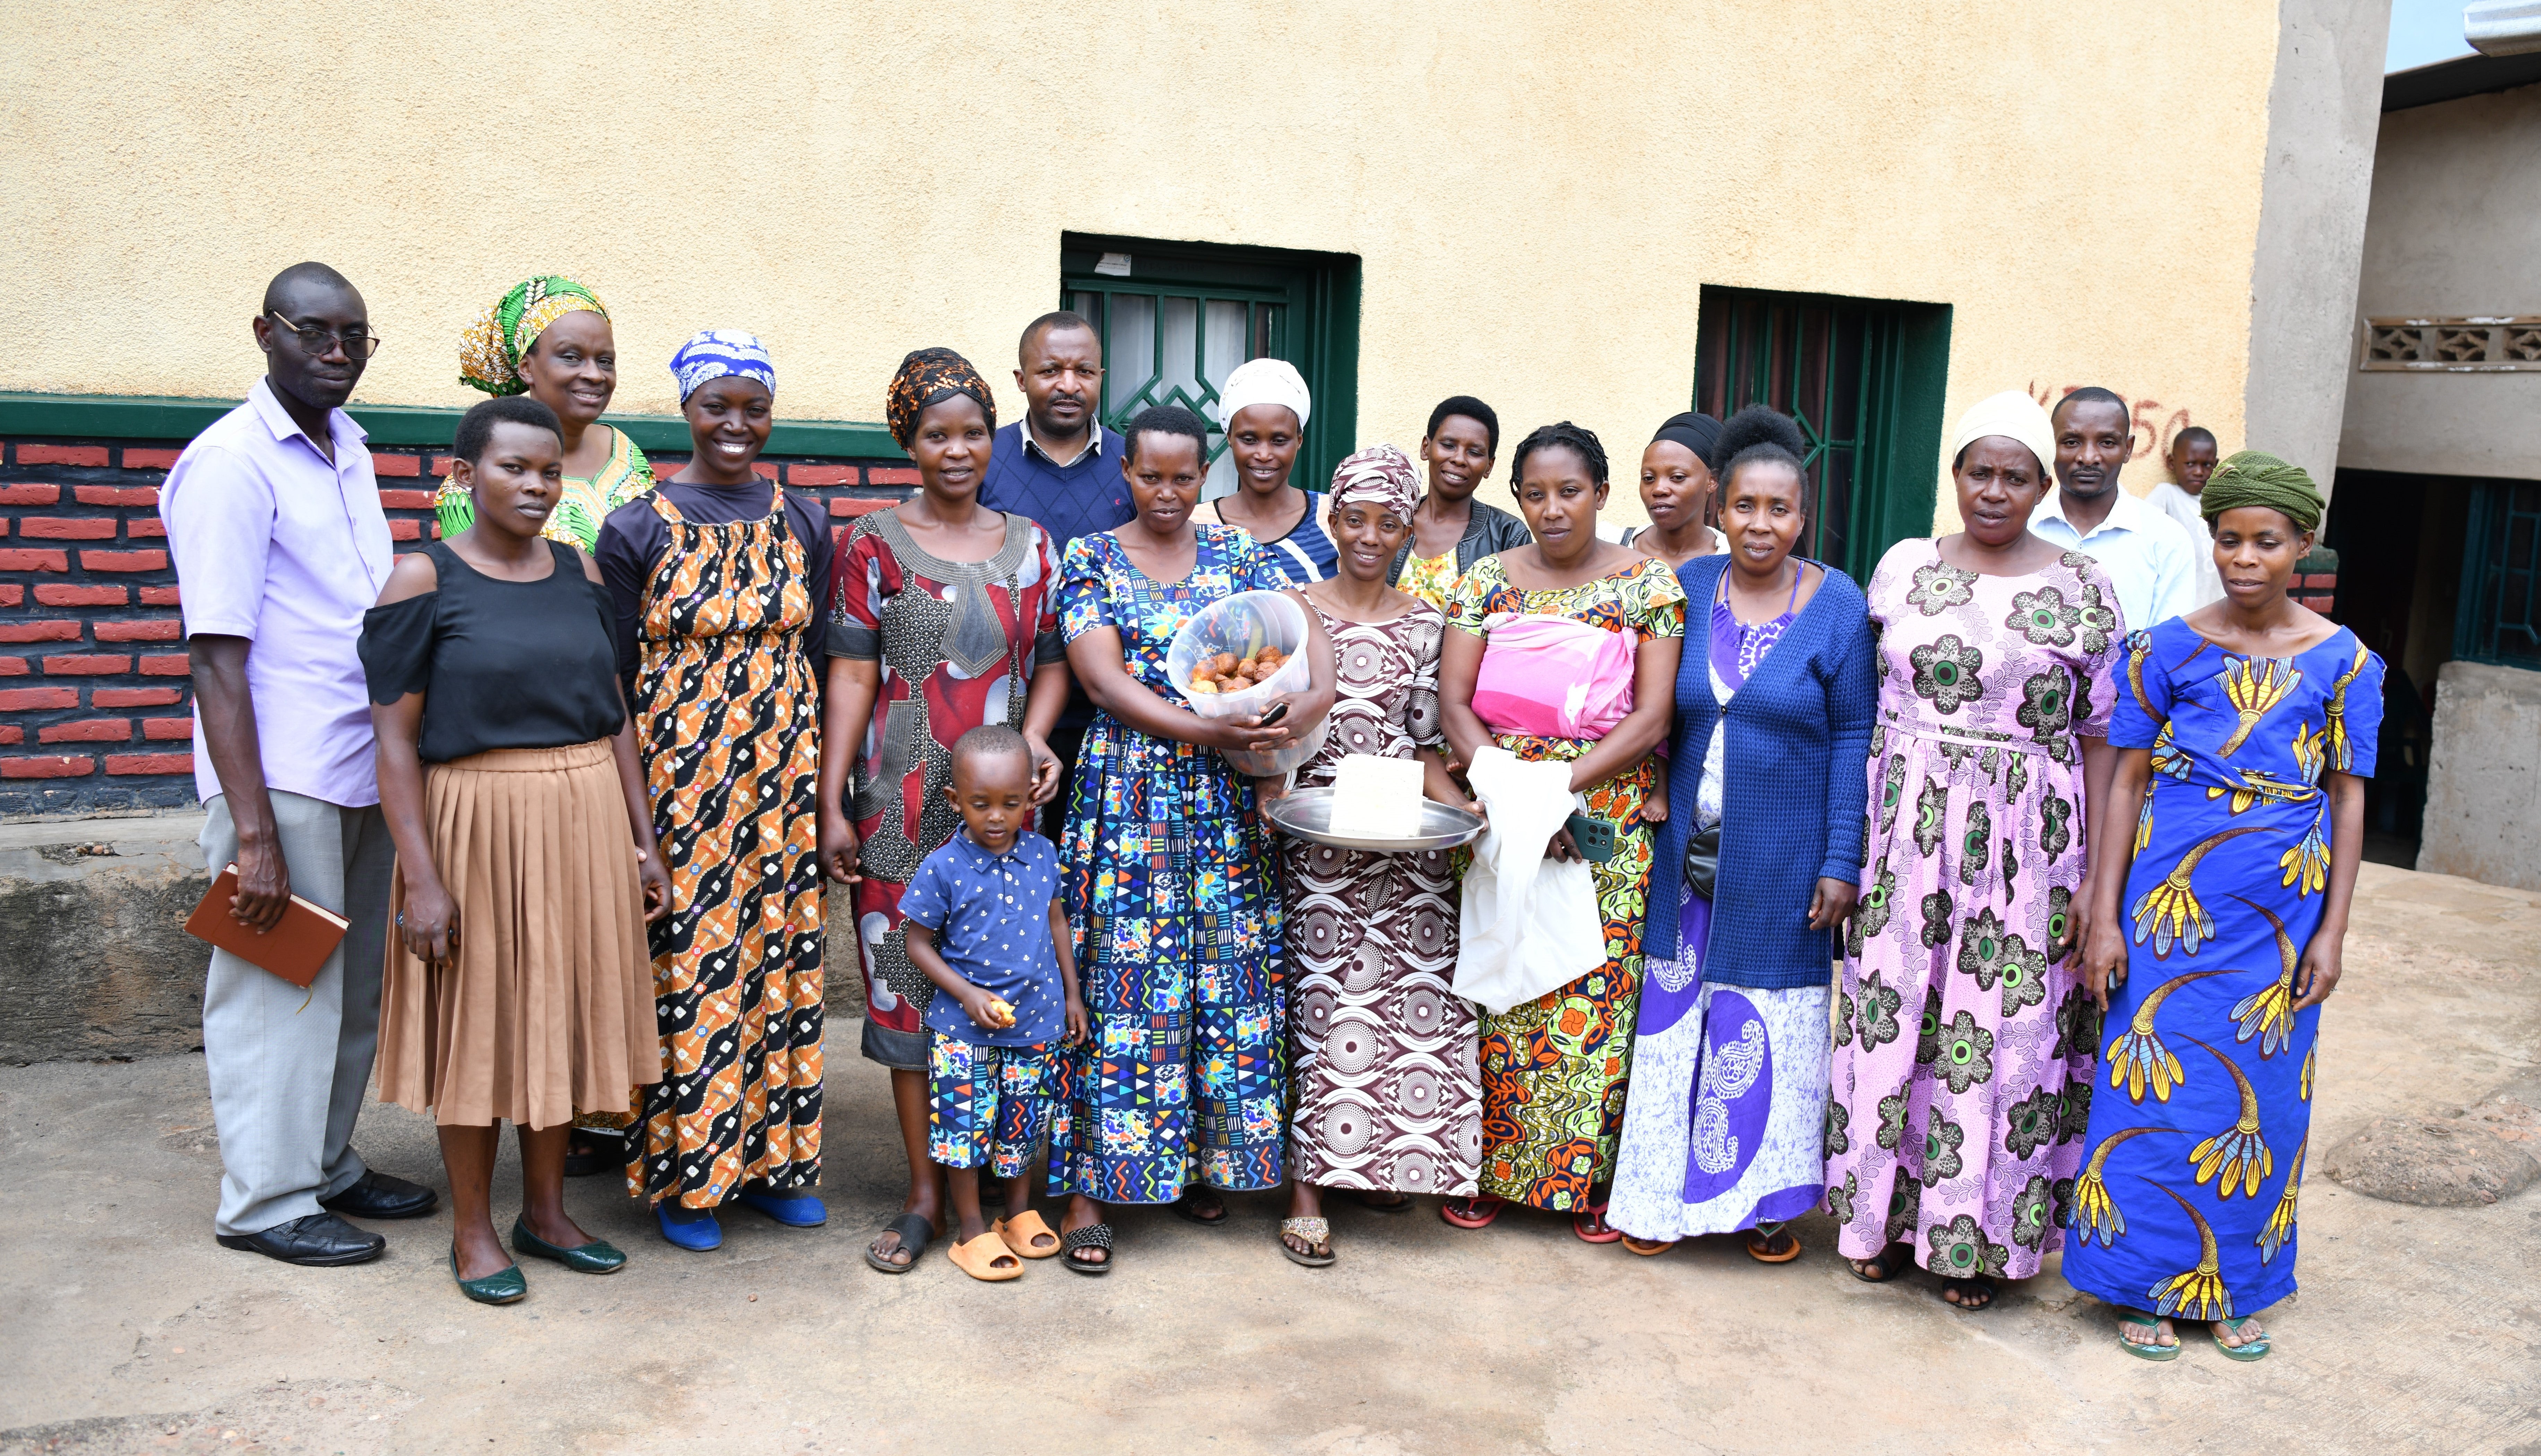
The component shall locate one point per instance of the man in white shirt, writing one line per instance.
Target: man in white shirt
(2150, 560)
(2193, 455)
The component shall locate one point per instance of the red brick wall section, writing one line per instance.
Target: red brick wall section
(96, 695)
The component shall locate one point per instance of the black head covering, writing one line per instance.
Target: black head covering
(1699, 433)
(928, 377)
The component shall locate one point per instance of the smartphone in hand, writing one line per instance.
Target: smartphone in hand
(1592, 837)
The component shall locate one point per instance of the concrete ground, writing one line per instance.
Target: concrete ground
(128, 1330)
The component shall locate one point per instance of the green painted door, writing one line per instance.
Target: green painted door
(1866, 380)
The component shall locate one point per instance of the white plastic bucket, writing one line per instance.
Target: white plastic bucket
(1244, 624)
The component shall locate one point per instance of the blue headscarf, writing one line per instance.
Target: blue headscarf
(714, 353)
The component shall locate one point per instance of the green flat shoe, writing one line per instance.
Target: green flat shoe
(599, 1257)
(503, 1286)
(2256, 1349)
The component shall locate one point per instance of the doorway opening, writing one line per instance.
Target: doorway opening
(2431, 569)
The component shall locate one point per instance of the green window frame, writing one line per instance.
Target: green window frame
(1866, 379)
(1184, 313)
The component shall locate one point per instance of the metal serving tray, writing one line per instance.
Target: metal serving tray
(1307, 813)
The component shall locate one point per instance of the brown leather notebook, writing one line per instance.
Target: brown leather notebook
(295, 949)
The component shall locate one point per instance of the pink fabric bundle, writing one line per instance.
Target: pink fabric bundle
(1552, 676)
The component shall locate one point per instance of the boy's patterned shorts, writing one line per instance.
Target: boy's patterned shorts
(986, 1106)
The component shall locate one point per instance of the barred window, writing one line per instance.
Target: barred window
(1177, 318)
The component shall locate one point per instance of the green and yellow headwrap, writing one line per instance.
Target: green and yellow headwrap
(489, 353)
(2254, 477)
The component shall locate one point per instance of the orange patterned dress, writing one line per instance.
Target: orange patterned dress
(1554, 1069)
(727, 713)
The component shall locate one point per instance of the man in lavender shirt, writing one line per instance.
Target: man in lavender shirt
(273, 518)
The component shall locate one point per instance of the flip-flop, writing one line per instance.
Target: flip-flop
(978, 1259)
(1366, 1198)
(1647, 1248)
(1589, 1223)
(1312, 1231)
(1091, 1236)
(1020, 1231)
(1759, 1248)
(915, 1233)
(1184, 1209)
(2155, 1350)
(2256, 1349)
(1475, 1211)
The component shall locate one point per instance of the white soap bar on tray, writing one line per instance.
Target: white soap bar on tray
(1376, 798)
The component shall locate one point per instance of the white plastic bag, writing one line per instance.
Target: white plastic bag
(1245, 624)
(1530, 924)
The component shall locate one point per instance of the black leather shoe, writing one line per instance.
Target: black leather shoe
(374, 1195)
(317, 1240)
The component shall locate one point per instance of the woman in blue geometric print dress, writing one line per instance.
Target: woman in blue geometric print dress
(1168, 873)
(2253, 719)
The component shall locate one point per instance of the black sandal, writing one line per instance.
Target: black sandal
(1888, 1269)
(593, 1151)
(1983, 1288)
(1367, 1199)
(1187, 1208)
(1091, 1236)
(915, 1233)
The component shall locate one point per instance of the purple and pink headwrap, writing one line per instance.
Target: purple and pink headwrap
(1379, 476)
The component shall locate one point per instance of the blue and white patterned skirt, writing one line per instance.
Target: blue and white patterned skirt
(1724, 1126)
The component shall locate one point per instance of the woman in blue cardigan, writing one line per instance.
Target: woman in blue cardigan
(1724, 1125)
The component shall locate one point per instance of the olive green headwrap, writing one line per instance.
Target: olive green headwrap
(2254, 477)
(489, 353)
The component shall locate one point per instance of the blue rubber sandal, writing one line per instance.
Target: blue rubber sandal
(692, 1229)
(2256, 1349)
(2154, 1352)
(794, 1210)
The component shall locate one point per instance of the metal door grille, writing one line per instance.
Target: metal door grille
(1177, 318)
(2501, 613)
(1169, 346)
(1818, 363)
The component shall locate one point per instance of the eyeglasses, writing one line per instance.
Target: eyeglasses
(358, 341)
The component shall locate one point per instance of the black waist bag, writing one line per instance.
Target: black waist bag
(1703, 860)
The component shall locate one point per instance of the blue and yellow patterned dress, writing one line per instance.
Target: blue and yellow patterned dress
(2201, 1123)
(1172, 889)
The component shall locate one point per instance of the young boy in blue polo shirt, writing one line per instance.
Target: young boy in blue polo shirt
(985, 925)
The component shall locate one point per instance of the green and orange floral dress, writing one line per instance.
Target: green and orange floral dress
(1553, 1069)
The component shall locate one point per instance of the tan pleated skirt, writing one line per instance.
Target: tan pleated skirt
(550, 1004)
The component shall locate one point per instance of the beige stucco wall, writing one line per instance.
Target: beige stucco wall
(1538, 191)
(2455, 229)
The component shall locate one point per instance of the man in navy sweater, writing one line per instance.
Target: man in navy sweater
(1060, 465)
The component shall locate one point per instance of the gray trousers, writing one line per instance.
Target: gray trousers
(289, 1066)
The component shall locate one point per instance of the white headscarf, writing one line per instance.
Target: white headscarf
(1254, 382)
(2013, 415)
(1263, 381)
